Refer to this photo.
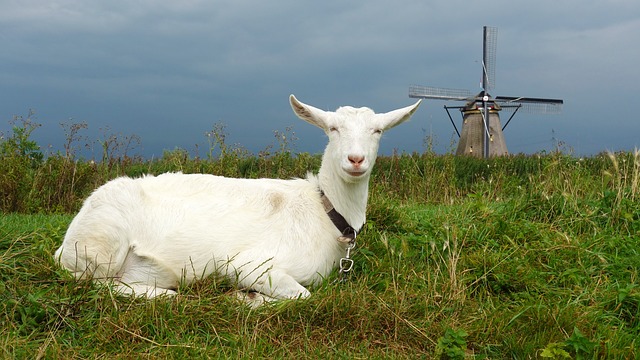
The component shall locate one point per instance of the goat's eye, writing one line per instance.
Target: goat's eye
(377, 131)
(333, 128)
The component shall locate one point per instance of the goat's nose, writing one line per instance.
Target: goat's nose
(356, 160)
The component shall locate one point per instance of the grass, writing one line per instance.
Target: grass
(513, 258)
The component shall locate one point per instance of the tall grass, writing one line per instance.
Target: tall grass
(517, 257)
(32, 181)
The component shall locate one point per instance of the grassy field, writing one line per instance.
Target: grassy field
(523, 257)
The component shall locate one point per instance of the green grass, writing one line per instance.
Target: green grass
(522, 257)
(515, 277)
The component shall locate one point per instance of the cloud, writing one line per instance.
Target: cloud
(179, 66)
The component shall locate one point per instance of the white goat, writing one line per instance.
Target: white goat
(268, 236)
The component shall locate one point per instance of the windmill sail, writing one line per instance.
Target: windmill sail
(489, 44)
(428, 92)
(532, 105)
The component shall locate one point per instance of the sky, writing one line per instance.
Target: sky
(170, 71)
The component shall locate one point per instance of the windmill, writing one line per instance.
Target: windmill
(482, 134)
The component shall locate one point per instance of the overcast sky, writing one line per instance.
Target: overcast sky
(168, 70)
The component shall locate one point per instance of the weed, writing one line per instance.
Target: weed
(452, 345)
(20, 145)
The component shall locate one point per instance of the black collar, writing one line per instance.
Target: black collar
(338, 220)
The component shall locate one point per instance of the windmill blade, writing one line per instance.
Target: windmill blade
(531, 105)
(428, 92)
(489, 44)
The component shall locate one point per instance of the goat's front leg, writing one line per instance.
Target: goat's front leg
(278, 285)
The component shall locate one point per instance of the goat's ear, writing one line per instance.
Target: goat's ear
(309, 113)
(396, 117)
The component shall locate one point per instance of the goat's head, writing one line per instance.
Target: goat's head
(354, 135)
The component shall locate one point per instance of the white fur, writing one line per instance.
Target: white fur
(149, 235)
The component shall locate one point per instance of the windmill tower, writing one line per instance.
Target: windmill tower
(482, 133)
